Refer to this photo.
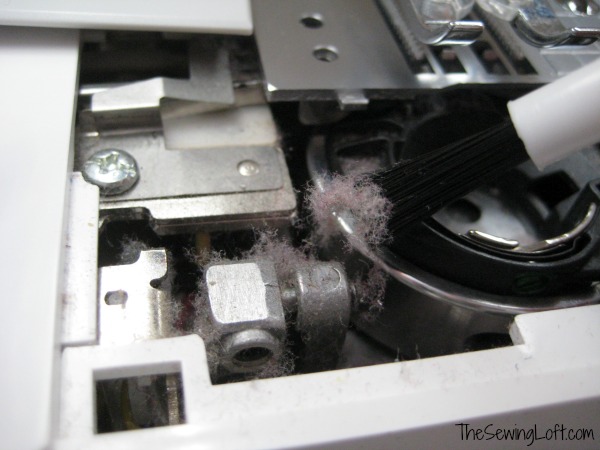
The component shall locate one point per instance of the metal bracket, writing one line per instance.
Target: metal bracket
(209, 88)
(130, 308)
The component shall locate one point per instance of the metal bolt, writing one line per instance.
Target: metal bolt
(113, 171)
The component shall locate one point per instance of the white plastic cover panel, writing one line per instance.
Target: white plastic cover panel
(38, 85)
(206, 16)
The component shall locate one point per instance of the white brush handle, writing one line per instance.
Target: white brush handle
(560, 117)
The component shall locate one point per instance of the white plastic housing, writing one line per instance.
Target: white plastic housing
(550, 376)
(561, 117)
(38, 86)
(207, 16)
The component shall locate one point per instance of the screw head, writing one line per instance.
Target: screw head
(114, 171)
(248, 168)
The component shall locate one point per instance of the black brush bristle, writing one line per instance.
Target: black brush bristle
(420, 187)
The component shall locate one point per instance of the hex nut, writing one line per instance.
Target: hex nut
(245, 323)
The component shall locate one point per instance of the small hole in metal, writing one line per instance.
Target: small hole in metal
(326, 54)
(312, 20)
(252, 356)
(115, 297)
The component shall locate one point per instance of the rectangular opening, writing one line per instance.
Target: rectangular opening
(496, 33)
(448, 59)
(133, 403)
(489, 58)
(522, 66)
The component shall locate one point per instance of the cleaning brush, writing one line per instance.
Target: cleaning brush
(545, 126)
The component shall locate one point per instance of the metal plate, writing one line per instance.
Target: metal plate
(177, 173)
(370, 62)
(130, 308)
(227, 172)
(367, 55)
(219, 211)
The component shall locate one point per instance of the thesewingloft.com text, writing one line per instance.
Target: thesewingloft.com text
(528, 435)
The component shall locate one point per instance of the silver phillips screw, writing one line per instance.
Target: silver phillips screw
(114, 171)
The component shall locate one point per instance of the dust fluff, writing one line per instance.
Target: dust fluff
(281, 252)
(355, 194)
